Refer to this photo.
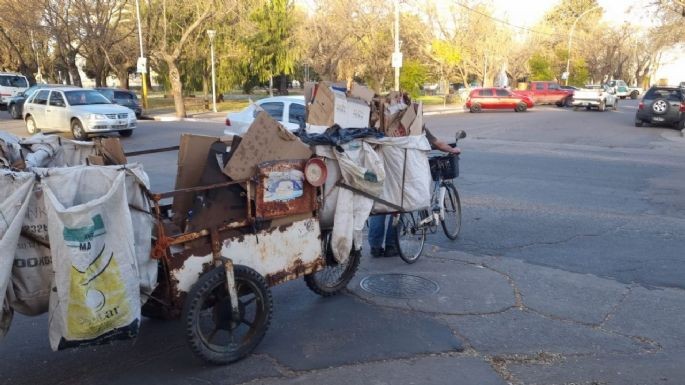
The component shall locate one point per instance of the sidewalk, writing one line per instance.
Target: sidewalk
(168, 115)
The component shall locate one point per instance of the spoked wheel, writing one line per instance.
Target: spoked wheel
(335, 276)
(451, 223)
(410, 237)
(211, 331)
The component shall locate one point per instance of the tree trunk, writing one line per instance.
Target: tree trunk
(176, 89)
(73, 69)
(122, 75)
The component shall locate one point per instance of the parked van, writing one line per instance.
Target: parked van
(11, 84)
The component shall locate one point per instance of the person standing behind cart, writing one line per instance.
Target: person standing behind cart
(381, 231)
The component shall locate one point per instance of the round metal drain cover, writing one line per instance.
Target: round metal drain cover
(399, 286)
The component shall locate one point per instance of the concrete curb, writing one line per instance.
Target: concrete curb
(188, 119)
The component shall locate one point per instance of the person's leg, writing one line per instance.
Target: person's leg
(391, 249)
(376, 233)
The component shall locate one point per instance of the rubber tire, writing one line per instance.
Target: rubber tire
(639, 123)
(475, 107)
(568, 102)
(13, 112)
(602, 106)
(452, 192)
(314, 280)
(195, 301)
(668, 105)
(77, 130)
(407, 219)
(31, 124)
(520, 107)
(634, 95)
(588, 108)
(125, 133)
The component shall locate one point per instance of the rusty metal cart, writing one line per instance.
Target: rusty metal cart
(216, 268)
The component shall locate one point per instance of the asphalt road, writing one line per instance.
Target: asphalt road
(548, 190)
(582, 191)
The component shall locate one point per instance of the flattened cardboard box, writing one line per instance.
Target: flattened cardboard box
(265, 140)
(192, 156)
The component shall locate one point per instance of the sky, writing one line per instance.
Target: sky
(526, 13)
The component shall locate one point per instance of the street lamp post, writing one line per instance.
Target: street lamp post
(212, 33)
(142, 62)
(570, 39)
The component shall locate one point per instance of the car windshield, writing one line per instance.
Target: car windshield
(674, 95)
(85, 97)
(13, 81)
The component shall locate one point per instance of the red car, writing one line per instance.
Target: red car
(497, 98)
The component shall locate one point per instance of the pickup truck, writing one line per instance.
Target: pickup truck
(597, 96)
(623, 90)
(547, 93)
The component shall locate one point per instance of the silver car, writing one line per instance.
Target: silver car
(82, 112)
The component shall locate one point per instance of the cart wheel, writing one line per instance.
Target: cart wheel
(210, 330)
(410, 237)
(335, 276)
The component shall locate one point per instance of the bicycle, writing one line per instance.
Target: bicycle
(445, 208)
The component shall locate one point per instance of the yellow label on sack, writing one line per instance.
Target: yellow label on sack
(97, 294)
(97, 302)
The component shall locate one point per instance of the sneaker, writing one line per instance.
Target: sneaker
(391, 251)
(377, 252)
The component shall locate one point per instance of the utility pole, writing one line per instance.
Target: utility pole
(142, 62)
(397, 55)
(211, 33)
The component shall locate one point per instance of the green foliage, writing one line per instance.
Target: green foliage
(412, 76)
(540, 68)
(271, 48)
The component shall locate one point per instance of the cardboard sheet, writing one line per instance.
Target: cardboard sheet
(265, 140)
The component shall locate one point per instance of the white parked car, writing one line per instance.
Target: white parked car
(11, 85)
(595, 95)
(82, 112)
(288, 110)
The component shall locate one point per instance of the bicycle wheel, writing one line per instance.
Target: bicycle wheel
(451, 221)
(335, 276)
(410, 237)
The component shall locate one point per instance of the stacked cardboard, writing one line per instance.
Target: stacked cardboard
(398, 116)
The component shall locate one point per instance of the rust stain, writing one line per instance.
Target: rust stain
(294, 271)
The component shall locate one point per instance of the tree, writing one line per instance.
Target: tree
(272, 48)
(176, 26)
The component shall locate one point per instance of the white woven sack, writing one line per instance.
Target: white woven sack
(15, 189)
(91, 237)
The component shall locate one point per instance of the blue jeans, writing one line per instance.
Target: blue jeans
(378, 231)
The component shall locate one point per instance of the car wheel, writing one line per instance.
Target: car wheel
(588, 108)
(602, 106)
(660, 106)
(476, 107)
(31, 126)
(126, 133)
(77, 130)
(638, 123)
(14, 114)
(634, 95)
(568, 102)
(521, 107)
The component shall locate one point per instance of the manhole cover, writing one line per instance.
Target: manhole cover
(399, 285)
